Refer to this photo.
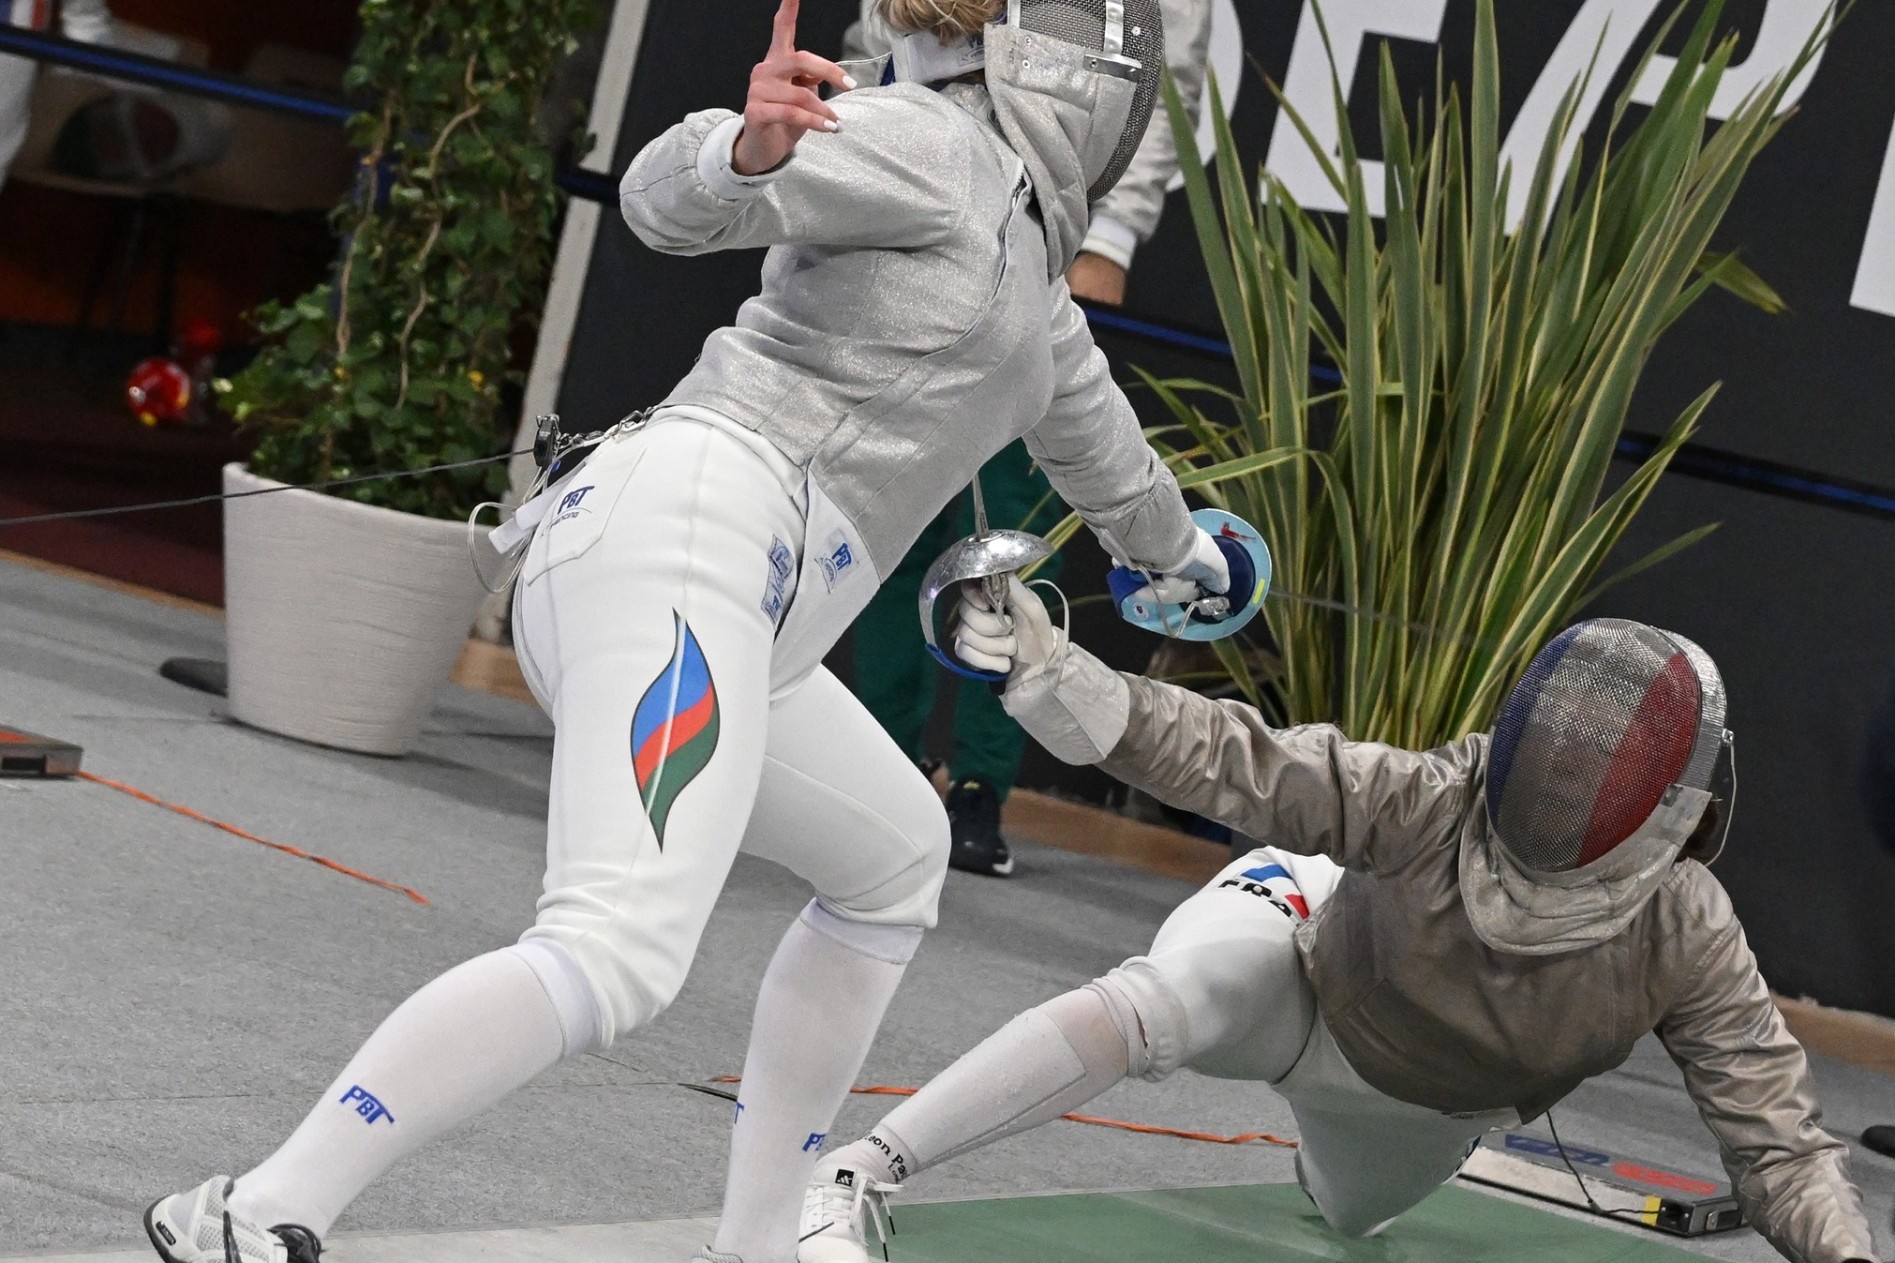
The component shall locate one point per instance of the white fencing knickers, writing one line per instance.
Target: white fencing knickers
(646, 614)
(1223, 990)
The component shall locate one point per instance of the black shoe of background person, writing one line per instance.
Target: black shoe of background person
(1880, 1138)
(935, 770)
(974, 816)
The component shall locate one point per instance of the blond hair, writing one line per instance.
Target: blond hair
(948, 19)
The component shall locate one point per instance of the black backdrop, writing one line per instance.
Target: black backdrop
(1796, 600)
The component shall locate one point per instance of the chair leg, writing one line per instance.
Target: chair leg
(128, 264)
(101, 268)
(170, 212)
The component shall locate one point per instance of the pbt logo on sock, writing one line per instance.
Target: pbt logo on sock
(366, 1105)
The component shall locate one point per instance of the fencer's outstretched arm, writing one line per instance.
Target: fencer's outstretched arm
(1307, 789)
(888, 177)
(1095, 454)
(1751, 1083)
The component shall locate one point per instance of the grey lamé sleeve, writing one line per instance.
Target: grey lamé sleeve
(896, 174)
(1307, 789)
(1751, 1083)
(1095, 454)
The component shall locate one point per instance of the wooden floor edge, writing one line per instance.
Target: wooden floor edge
(109, 584)
(1861, 1039)
(1087, 830)
(482, 666)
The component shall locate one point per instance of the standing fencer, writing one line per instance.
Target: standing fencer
(686, 580)
(1438, 943)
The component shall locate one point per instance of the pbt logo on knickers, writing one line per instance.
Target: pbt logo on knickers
(371, 1110)
(776, 585)
(815, 1140)
(839, 559)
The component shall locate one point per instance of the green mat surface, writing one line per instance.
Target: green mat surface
(1257, 1223)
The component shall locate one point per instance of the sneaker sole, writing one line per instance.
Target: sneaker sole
(151, 1231)
(1002, 869)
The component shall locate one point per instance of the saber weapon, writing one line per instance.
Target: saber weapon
(987, 555)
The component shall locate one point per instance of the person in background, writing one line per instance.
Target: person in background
(1129, 212)
(894, 677)
(89, 21)
(16, 79)
(123, 134)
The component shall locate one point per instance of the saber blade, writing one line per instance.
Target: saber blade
(994, 585)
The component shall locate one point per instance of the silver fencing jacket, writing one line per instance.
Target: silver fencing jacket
(906, 330)
(1423, 1008)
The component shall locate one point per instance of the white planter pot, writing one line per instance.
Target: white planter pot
(343, 619)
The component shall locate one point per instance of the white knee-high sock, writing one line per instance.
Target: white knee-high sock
(450, 1050)
(1047, 1062)
(822, 999)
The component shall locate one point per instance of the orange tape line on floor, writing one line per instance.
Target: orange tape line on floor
(1091, 1120)
(284, 847)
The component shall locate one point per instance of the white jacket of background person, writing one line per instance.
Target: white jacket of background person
(89, 21)
(914, 320)
(1129, 212)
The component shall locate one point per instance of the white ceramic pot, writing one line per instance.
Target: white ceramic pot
(343, 619)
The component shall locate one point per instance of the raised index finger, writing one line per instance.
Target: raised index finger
(783, 27)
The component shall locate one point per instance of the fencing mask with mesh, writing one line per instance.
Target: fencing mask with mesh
(1073, 84)
(1603, 761)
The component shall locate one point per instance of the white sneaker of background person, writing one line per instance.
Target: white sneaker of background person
(195, 1226)
(840, 1206)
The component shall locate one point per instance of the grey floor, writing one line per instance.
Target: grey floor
(173, 998)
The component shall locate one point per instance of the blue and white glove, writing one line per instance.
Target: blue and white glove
(1205, 571)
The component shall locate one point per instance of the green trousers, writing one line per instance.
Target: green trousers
(894, 675)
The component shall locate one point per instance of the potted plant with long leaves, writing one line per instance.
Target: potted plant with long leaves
(1443, 507)
(347, 608)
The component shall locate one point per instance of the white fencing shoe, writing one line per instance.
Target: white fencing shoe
(196, 1227)
(838, 1207)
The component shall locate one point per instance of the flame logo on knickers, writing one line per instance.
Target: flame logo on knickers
(674, 729)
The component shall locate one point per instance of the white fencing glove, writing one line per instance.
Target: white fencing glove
(1204, 571)
(1071, 703)
(1019, 639)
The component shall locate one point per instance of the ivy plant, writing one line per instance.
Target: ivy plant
(399, 359)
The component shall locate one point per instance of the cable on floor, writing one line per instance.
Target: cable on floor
(1090, 1120)
(245, 834)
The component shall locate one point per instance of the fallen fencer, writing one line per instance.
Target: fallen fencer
(1435, 944)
